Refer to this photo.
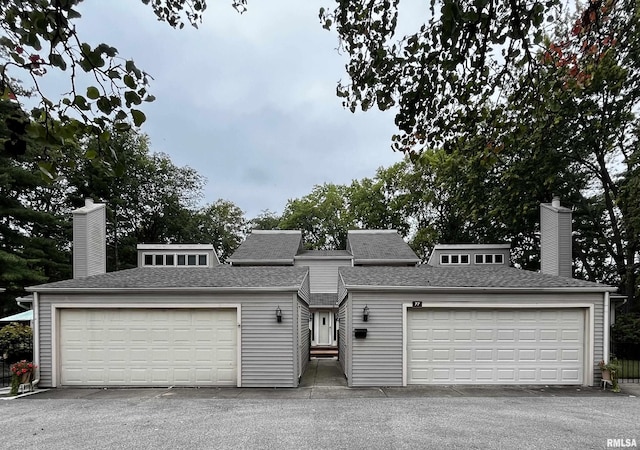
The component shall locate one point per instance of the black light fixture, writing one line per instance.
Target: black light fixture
(278, 314)
(365, 313)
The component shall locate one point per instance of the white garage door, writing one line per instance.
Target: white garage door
(495, 346)
(148, 347)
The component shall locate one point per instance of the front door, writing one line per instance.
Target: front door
(324, 328)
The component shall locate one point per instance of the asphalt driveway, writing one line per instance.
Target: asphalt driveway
(189, 418)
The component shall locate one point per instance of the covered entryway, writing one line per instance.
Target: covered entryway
(495, 346)
(324, 333)
(147, 347)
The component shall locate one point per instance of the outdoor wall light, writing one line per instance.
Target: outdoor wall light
(278, 314)
(365, 314)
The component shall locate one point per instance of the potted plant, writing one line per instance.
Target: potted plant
(22, 373)
(610, 373)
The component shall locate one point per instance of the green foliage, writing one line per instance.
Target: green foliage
(441, 76)
(503, 105)
(16, 342)
(626, 330)
(33, 244)
(153, 201)
(39, 37)
(266, 220)
(322, 215)
(222, 224)
(15, 385)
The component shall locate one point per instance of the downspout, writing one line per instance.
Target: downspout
(607, 328)
(36, 336)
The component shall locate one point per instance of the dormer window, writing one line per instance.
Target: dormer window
(176, 255)
(489, 259)
(160, 259)
(453, 259)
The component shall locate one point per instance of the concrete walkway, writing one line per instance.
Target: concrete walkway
(323, 372)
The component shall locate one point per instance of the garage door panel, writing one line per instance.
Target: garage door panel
(571, 355)
(527, 375)
(484, 375)
(484, 335)
(506, 346)
(462, 335)
(441, 335)
(148, 347)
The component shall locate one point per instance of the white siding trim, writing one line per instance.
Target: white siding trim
(56, 306)
(589, 327)
(589, 348)
(607, 328)
(36, 332)
(405, 310)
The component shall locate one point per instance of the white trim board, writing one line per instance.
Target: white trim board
(589, 331)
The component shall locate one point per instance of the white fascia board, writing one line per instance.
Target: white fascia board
(276, 232)
(377, 262)
(476, 289)
(306, 298)
(166, 290)
(260, 262)
(349, 257)
(371, 231)
(175, 247)
(471, 246)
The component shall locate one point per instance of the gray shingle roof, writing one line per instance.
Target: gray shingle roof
(459, 277)
(368, 246)
(322, 299)
(187, 277)
(268, 247)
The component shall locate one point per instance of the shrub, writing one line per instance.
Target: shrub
(626, 330)
(16, 342)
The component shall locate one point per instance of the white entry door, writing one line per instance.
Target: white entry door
(324, 328)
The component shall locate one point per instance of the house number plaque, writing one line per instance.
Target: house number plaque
(417, 304)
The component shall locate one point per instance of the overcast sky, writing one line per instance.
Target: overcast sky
(247, 100)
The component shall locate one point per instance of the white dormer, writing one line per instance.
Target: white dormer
(451, 255)
(177, 255)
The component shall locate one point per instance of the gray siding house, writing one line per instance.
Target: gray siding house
(174, 327)
(435, 325)
(183, 319)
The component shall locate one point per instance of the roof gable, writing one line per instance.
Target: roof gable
(268, 247)
(370, 247)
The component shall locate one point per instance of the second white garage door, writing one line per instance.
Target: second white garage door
(495, 346)
(148, 347)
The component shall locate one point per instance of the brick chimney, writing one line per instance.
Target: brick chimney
(89, 240)
(555, 239)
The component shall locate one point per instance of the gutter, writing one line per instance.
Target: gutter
(477, 289)
(176, 289)
(260, 262)
(371, 262)
(305, 257)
